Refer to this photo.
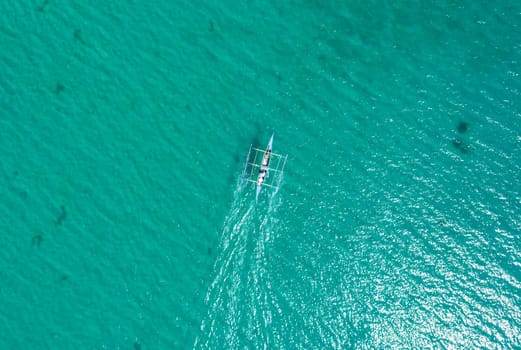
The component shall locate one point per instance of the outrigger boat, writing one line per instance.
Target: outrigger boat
(264, 168)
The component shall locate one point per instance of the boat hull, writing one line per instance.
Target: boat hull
(263, 170)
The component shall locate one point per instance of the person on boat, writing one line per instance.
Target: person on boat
(266, 159)
(260, 179)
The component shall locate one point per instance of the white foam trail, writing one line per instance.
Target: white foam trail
(240, 292)
(261, 297)
(219, 296)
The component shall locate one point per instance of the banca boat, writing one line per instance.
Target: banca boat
(257, 168)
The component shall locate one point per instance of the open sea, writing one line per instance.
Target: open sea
(124, 220)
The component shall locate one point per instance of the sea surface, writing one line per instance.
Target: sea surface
(124, 220)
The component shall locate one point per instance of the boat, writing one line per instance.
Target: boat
(263, 174)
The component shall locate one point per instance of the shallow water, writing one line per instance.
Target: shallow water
(123, 134)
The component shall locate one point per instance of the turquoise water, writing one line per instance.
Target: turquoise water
(123, 132)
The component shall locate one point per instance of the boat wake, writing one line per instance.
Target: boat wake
(238, 299)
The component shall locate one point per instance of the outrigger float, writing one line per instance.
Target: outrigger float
(263, 175)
